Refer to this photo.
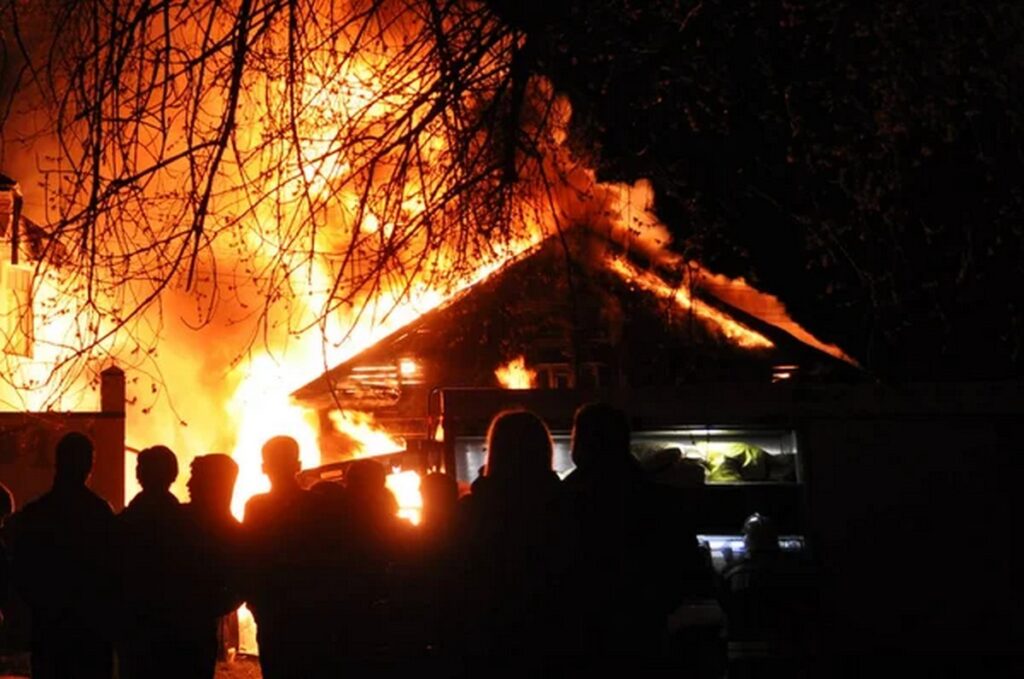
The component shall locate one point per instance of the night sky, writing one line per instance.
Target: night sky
(861, 160)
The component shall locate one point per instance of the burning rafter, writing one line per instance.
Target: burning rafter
(732, 329)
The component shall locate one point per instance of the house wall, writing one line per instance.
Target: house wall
(28, 441)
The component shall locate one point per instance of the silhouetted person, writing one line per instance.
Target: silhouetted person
(636, 557)
(374, 506)
(62, 564)
(213, 550)
(152, 554)
(515, 568)
(768, 600)
(278, 527)
(331, 502)
(328, 566)
(435, 580)
(379, 548)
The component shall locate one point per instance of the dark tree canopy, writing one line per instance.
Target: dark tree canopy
(862, 160)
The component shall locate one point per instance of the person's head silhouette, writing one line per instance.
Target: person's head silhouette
(156, 468)
(366, 476)
(366, 485)
(73, 460)
(281, 461)
(518, 447)
(212, 482)
(330, 495)
(600, 438)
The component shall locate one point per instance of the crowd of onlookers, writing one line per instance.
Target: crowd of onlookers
(526, 575)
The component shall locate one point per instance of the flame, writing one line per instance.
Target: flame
(768, 308)
(730, 328)
(372, 439)
(260, 409)
(405, 485)
(515, 374)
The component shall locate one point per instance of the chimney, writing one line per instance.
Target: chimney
(112, 390)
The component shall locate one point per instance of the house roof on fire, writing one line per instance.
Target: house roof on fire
(589, 302)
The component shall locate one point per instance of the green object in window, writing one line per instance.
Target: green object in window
(733, 462)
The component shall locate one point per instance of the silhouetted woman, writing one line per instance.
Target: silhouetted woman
(514, 553)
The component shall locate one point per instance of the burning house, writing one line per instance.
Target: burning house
(706, 366)
(579, 313)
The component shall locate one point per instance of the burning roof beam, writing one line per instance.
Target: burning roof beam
(729, 327)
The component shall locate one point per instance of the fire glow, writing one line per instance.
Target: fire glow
(302, 210)
(361, 428)
(321, 235)
(405, 486)
(515, 375)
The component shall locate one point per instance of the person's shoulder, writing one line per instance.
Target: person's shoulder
(35, 506)
(256, 506)
(134, 506)
(129, 516)
(33, 510)
(97, 504)
(736, 567)
(147, 510)
(305, 497)
(573, 479)
(258, 500)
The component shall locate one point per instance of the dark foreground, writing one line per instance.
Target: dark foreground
(246, 667)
